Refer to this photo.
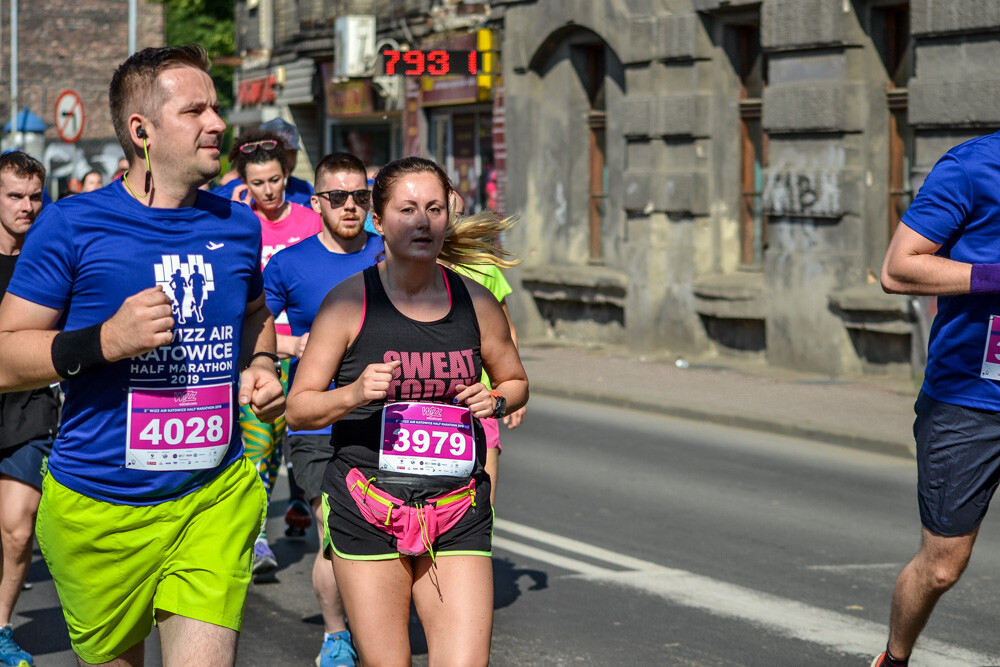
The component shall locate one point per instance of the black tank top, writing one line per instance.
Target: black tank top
(436, 357)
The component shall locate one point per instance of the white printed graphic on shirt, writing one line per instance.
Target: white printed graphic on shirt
(188, 284)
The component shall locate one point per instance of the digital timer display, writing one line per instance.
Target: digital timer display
(435, 62)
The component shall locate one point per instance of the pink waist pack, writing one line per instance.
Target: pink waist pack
(415, 526)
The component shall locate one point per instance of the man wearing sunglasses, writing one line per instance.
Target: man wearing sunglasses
(296, 280)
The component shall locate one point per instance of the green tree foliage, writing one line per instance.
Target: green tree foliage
(210, 23)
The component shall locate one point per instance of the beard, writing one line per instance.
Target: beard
(340, 230)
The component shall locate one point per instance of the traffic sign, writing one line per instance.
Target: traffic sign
(69, 116)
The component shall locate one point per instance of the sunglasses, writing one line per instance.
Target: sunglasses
(338, 198)
(251, 146)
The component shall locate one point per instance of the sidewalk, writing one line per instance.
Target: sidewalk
(875, 414)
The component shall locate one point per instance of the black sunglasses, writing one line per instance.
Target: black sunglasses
(338, 198)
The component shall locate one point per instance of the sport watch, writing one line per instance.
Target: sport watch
(500, 407)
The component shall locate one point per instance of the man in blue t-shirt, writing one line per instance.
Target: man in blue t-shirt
(149, 510)
(296, 280)
(948, 245)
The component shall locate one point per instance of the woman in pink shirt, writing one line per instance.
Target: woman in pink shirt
(260, 159)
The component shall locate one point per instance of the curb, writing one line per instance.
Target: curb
(791, 429)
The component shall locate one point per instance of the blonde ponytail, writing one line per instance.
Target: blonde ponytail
(475, 239)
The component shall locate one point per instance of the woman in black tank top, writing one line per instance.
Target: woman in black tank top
(405, 342)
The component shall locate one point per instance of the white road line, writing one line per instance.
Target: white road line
(790, 618)
(854, 567)
(548, 557)
(567, 544)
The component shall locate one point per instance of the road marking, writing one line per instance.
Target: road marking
(856, 566)
(789, 618)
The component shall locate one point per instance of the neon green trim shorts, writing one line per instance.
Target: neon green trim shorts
(114, 566)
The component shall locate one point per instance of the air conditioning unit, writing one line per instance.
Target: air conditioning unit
(354, 39)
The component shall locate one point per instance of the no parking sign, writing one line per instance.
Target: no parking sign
(69, 116)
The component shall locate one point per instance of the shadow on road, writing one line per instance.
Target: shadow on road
(505, 582)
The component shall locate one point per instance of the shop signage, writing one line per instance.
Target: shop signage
(254, 92)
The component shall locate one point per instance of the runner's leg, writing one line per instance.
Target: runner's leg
(936, 568)
(18, 508)
(455, 603)
(324, 583)
(186, 641)
(376, 595)
(133, 657)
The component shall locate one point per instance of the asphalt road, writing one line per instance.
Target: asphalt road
(626, 538)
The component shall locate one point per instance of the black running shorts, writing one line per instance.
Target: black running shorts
(958, 464)
(354, 538)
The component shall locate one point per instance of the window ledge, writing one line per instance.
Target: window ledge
(731, 296)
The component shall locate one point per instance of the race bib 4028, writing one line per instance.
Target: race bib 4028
(184, 428)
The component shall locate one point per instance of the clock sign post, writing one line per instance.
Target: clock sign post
(433, 62)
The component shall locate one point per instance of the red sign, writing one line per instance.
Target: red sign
(253, 92)
(434, 62)
(69, 116)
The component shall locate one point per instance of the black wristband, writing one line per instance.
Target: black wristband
(269, 355)
(77, 352)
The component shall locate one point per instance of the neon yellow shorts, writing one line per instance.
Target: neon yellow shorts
(115, 565)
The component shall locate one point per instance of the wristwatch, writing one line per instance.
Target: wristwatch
(500, 407)
(272, 357)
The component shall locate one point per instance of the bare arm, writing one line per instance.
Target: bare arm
(911, 267)
(26, 333)
(291, 346)
(500, 358)
(311, 402)
(142, 323)
(260, 386)
(516, 417)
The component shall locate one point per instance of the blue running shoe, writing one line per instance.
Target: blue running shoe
(12, 655)
(263, 558)
(338, 651)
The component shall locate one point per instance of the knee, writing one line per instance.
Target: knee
(18, 538)
(944, 575)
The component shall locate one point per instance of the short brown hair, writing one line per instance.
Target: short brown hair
(135, 87)
(21, 165)
(346, 162)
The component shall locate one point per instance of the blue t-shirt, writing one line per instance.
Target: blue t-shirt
(957, 207)
(85, 255)
(298, 278)
(297, 190)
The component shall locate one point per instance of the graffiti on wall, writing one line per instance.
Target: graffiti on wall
(66, 161)
(802, 193)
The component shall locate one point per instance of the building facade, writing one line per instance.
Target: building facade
(692, 176)
(318, 64)
(71, 45)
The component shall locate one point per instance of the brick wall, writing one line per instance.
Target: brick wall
(72, 44)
